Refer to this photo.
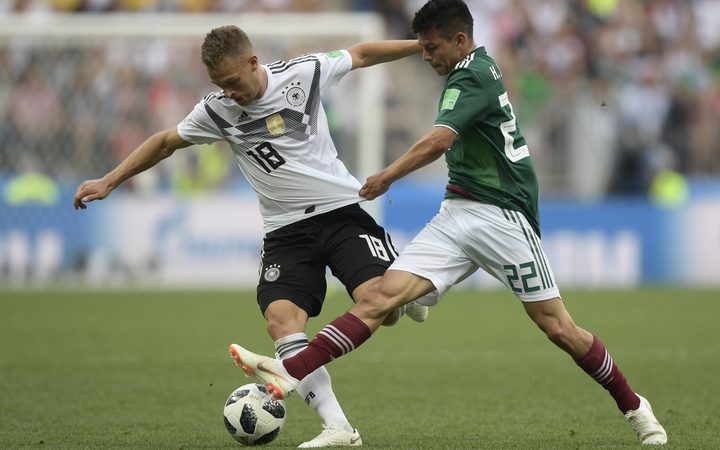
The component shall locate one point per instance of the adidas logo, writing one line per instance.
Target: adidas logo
(244, 117)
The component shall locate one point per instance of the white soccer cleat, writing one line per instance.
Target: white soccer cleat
(645, 425)
(271, 372)
(334, 437)
(416, 311)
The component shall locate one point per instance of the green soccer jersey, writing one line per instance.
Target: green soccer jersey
(489, 160)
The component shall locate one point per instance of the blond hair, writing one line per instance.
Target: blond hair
(223, 42)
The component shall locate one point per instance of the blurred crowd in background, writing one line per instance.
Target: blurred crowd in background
(609, 93)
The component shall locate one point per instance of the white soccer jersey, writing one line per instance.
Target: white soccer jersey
(281, 141)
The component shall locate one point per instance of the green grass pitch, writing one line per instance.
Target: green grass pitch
(136, 369)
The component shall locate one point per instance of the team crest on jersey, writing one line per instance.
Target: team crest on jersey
(272, 273)
(295, 96)
(275, 124)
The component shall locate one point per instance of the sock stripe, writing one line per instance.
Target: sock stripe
(341, 336)
(602, 371)
(332, 339)
(338, 338)
(598, 363)
(290, 347)
(294, 343)
(605, 369)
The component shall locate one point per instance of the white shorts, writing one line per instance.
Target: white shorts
(466, 235)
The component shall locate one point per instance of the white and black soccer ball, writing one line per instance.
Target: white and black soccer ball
(252, 416)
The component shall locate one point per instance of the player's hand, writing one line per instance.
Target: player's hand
(90, 190)
(374, 186)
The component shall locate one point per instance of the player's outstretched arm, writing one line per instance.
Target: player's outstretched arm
(370, 53)
(156, 148)
(429, 148)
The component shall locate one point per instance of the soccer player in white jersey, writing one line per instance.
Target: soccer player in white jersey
(488, 220)
(275, 123)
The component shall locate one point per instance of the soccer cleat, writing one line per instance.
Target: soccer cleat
(645, 425)
(278, 381)
(334, 437)
(416, 311)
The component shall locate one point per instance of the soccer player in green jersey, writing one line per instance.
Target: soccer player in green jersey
(488, 219)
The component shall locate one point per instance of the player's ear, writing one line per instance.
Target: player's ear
(460, 39)
(253, 61)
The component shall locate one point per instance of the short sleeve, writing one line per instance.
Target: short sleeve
(198, 128)
(463, 102)
(333, 66)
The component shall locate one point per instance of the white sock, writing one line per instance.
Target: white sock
(316, 388)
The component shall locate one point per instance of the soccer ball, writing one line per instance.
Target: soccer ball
(252, 416)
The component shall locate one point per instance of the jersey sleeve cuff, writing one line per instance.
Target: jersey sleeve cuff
(448, 126)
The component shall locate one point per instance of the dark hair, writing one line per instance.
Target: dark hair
(223, 42)
(448, 17)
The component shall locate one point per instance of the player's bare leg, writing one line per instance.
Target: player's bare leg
(555, 321)
(396, 289)
(414, 310)
(590, 354)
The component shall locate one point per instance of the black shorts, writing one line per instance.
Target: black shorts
(295, 257)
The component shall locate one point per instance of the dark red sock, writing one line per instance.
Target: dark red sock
(599, 364)
(341, 336)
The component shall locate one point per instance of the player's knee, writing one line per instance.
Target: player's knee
(284, 322)
(276, 327)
